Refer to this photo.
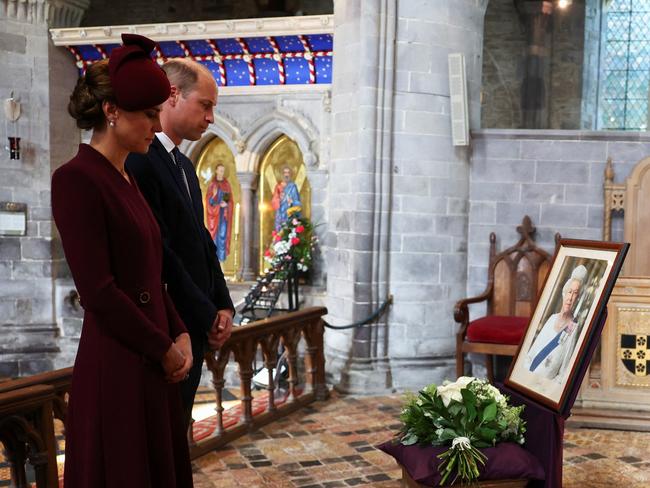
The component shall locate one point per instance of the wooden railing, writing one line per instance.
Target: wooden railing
(266, 335)
(28, 406)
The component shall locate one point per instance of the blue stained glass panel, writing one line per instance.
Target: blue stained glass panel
(229, 46)
(289, 44)
(296, 71)
(258, 45)
(236, 72)
(641, 5)
(89, 52)
(171, 49)
(213, 66)
(266, 71)
(109, 47)
(199, 47)
(618, 26)
(619, 6)
(637, 85)
(639, 26)
(625, 83)
(617, 55)
(615, 83)
(320, 42)
(323, 66)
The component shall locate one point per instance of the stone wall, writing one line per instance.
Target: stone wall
(555, 177)
(592, 57)
(504, 50)
(114, 12)
(504, 63)
(27, 319)
(400, 220)
(565, 91)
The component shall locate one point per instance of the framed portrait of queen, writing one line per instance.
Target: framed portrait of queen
(564, 323)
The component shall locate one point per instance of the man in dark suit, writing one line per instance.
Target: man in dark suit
(169, 183)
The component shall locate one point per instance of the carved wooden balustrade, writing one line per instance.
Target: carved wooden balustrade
(243, 345)
(28, 406)
(59, 380)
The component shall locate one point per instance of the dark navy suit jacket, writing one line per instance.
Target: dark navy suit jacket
(190, 265)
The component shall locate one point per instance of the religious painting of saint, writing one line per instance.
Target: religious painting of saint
(221, 191)
(285, 190)
(219, 208)
(561, 330)
(286, 198)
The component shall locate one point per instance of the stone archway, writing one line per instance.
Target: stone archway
(269, 128)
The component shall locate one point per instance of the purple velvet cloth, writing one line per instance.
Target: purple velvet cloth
(506, 460)
(540, 461)
(544, 436)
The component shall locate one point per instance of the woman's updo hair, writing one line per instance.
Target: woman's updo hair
(91, 91)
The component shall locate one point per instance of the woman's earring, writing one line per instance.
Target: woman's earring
(111, 123)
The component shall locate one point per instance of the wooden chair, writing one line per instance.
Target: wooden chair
(515, 278)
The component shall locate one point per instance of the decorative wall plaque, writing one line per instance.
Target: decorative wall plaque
(13, 219)
(634, 356)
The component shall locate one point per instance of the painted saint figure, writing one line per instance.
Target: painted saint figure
(285, 196)
(219, 212)
(552, 349)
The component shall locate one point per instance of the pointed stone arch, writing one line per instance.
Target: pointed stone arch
(269, 128)
(222, 127)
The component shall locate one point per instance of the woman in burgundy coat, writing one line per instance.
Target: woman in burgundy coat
(124, 426)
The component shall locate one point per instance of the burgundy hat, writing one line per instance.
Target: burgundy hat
(138, 82)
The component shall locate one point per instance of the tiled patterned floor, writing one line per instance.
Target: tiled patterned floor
(331, 444)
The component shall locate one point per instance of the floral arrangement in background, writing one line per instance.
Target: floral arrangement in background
(293, 243)
(466, 415)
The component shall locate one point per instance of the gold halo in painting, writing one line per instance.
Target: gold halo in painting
(284, 152)
(216, 153)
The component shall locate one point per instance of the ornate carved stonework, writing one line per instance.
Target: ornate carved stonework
(316, 24)
(56, 13)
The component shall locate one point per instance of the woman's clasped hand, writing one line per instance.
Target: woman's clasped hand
(177, 361)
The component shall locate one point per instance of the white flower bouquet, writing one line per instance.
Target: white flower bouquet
(466, 415)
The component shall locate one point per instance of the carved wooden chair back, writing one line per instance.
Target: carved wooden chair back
(517, 274)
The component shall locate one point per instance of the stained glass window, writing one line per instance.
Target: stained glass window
(626, 75)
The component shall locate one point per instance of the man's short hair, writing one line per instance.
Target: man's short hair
(184, 73)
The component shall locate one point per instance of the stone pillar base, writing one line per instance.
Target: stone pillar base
(383, 376)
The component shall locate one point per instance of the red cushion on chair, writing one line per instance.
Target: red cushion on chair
(497, 329)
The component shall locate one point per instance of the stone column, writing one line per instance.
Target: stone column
(398, 190)
(248, 263)
(537, 16)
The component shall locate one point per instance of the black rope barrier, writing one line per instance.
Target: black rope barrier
(371, 318)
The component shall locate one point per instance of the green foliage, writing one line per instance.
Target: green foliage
(467, 415)
(292, 244)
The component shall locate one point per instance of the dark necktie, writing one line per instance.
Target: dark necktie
(176, 156)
